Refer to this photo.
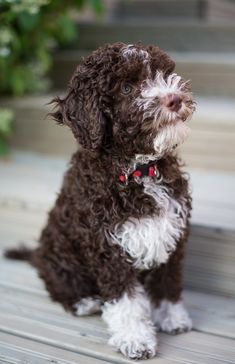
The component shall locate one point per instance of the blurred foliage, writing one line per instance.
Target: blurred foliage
(6, 117)
(29, 30)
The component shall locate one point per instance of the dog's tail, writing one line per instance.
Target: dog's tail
(21, 253)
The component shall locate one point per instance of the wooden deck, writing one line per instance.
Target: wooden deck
(34, 330)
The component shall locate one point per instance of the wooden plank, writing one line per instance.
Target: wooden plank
(205, 310)
(17, 350)
(195, 347)
(152, 9)
(172, 36)
(211, 314)
(26, 313)
(210, 260)
(24, 293)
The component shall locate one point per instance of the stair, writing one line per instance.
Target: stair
(167, 9)
(191, 31)
(176, 36)
(34, 131)
(33, 329)
(211, 74)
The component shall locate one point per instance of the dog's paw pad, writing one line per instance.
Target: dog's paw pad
(87, 306)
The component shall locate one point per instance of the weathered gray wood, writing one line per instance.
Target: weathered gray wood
(31, 126)
(17, 350)
(152, 9)
(210, 260)
(173, 36)
(210, 313)
(24, 293)
(194, 346)
(35, 328)
(221, 11)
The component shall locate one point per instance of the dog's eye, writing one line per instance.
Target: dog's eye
(126, 89)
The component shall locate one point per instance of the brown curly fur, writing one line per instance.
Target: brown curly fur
(76, 257)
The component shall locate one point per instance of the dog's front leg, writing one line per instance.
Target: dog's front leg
(129, 322)
(164, 286)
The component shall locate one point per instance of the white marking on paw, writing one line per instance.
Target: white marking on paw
(87, 306)
(172, 317)
(130, 325)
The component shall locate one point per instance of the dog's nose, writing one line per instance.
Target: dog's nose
(172, 102)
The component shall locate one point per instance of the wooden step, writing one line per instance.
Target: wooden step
(34, 131)
(29, 184)
(215, 11)
(211, 74)
(210, 145)
(176, 36)
(155, 9)
(34, 329)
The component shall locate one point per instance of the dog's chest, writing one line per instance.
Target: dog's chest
(150, 240)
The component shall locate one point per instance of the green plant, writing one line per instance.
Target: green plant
(29, 31)
(6, 117)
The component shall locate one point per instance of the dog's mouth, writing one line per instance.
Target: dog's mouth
(170, 136)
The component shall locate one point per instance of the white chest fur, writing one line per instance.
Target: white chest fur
(150, 240)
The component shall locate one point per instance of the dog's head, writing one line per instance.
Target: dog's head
(126, 99)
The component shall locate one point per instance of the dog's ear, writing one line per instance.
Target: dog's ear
(80, 110)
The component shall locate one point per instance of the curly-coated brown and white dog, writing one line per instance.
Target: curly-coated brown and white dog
(115, 238)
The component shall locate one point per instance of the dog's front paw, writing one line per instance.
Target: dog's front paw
(173, 318)
(173, 327)
(135, 347)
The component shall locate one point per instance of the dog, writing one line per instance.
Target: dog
(114, 240)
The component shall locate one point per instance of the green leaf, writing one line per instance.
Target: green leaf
(97, 6)
(6, 117)
(79, 4)
(28, 21)
(35, 27)
(66, 30)
(4, 149)
(17, 80)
